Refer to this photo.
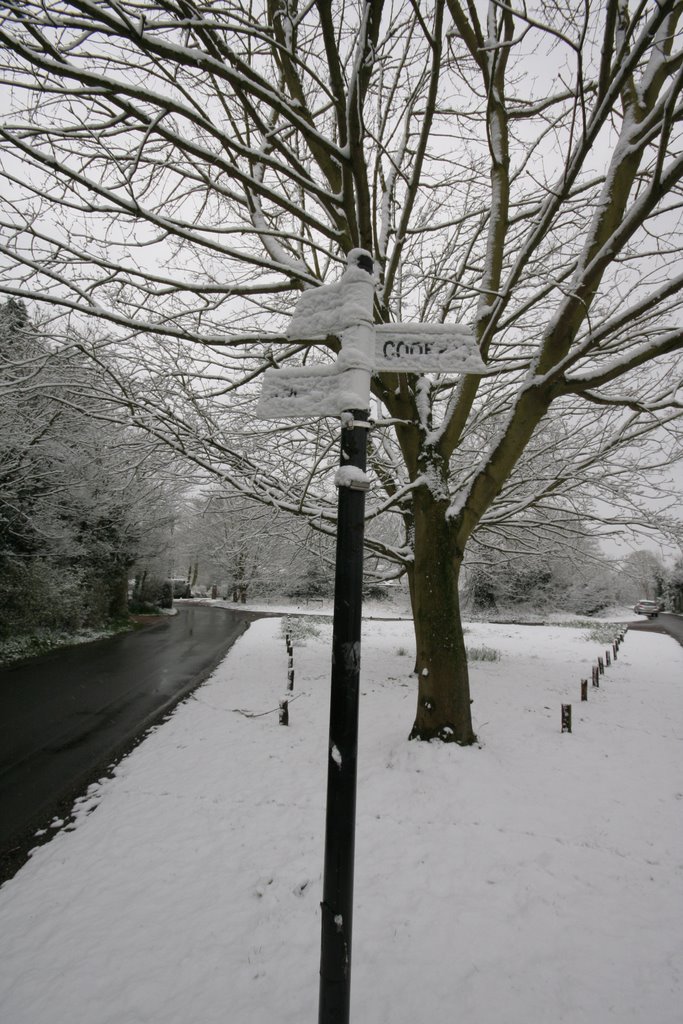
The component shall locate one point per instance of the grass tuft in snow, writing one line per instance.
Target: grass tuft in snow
(483, 653)
(604, 632)
(302, 627)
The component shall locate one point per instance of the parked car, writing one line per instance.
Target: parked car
(649, 608)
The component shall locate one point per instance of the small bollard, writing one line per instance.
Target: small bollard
(566, 718)
(584, 689)
(596, 675)
(608, 659)
(290, 679)
(284, 712)
(601, 666)
(615, 648)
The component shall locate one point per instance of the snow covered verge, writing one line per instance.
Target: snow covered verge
(42, 641)
(537, 877)
(32, 645)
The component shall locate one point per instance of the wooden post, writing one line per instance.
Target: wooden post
(566, 718)
(596, 676)
(584, 689)
(601, 666)
(284, 712)
(290, 678)
(608, 658)
(615, 648)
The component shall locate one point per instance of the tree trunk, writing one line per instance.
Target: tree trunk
(117, 587)
(443, 700)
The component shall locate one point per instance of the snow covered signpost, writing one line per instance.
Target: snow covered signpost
(345, 310)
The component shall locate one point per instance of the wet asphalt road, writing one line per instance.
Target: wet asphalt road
(663, 623)
(66, 716)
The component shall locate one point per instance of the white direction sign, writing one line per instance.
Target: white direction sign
(344, 310)
(306, 391)
(426, 348)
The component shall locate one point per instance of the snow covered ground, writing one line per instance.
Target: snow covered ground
(536, 878)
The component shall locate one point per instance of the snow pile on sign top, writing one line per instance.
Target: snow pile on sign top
(332, 308)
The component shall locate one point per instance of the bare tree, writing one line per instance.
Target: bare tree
(242, 546)
(180, 170)
(645, 574)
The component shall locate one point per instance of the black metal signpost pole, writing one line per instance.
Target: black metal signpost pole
(337, 903)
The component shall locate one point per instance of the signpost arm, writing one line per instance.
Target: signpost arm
(340, 824)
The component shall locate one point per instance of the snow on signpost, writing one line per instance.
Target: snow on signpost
(344, 310)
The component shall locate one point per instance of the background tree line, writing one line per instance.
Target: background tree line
(87, 502)
(82, 496)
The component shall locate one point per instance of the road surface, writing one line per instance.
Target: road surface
(66, 716)
(664, 623)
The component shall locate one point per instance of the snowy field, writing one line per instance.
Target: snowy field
(536, 878)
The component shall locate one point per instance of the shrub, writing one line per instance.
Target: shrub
(604, 632)
(39, 596)
(301, 627)
(148, 594)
